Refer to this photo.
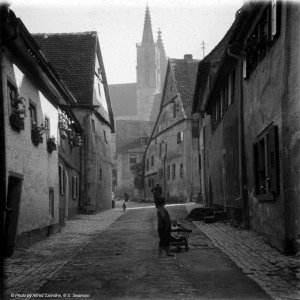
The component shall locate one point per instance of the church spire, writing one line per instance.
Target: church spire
(147, 33)
(161, 46)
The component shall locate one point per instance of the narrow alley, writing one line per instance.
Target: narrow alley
(121, 262)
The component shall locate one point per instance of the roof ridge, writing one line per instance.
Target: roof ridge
(66, 33)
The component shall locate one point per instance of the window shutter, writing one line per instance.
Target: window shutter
(274, 16)
(73, 187)
(273, 159)
(61, 180)
(255, 168)
(245, 69)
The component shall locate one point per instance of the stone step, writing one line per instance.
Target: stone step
(209, 219)
(220, 215)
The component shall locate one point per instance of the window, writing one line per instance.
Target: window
(61, 180)
(51, 202)
(105, 139)
(93, 126)
(47, 128)
(262, 37)
(33, 115)
(179, 137)
(74, 187)
(181, 171)
(174, 109)
(173, 171)
(195, 129)
(168, 173)
(161, 174)
(152, 160)
(12, 92)
(132, 159)
(231, 82)
(266, 164)
(151, 182)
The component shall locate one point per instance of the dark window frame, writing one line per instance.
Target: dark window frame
(266, 164)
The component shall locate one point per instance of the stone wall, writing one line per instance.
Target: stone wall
(38, 167)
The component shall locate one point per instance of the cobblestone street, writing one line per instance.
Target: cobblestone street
(278, 275)
(120, 262)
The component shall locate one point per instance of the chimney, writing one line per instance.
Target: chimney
(188, 57)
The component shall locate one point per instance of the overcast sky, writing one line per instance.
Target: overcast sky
(119, 23)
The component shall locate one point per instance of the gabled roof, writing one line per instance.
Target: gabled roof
(185, 72)
(73, 55)
(123, 99)
(128, 131)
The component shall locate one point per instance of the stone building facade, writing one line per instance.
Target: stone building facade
(78, 60)
(258, 132)
(33, 96)
(171, 155)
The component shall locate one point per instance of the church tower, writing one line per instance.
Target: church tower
(148, 72)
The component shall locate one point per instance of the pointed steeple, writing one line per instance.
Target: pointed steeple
(147, 33)
(161, 46)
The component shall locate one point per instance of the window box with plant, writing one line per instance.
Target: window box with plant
(17, 115)
(64, 123)
(75, 139)
(37, 134)
(51, 144)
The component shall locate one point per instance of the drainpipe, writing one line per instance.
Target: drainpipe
(243, 197)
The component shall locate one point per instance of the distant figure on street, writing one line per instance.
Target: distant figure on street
(126, 197)
(124, 206)
(157, 192)
(163, 227)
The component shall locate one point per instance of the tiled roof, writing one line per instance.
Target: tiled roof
(185, 73)
(123, 99)
(134, 145)
(73, 56)
(129, 131)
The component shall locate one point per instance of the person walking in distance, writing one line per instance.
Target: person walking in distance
(163, 227)
(157, 192)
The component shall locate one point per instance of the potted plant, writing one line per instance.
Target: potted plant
(51, 144)
(37, 134)
(75, 139)
(17, 116)
(64, 123)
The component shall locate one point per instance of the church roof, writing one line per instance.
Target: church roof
(123, 99)
(160, 45)
(147, 33)
(185, 72)
(69, 53)
(129, 131)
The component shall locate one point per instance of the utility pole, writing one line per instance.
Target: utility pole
(203, 47)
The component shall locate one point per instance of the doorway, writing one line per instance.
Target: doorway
(14, 190)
